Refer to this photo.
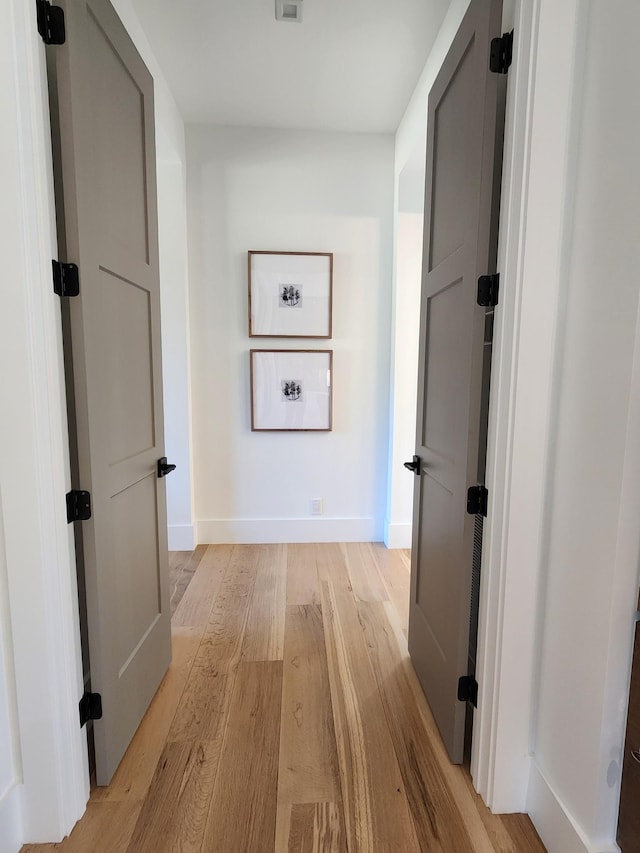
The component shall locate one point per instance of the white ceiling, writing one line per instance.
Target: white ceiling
(351, 65)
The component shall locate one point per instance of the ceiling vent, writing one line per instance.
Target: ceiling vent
(289, 10)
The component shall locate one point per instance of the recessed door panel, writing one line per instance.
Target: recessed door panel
(436, 588)
(119, 117)
(443, 367)
(135, 566)
(129, 385)
(452, 164)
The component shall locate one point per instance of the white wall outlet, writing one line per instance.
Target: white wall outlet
(316, 506)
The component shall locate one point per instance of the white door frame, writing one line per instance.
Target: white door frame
(52, 776)
(536, 171)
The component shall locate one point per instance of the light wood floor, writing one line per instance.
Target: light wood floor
(182, 567)
(291, 720)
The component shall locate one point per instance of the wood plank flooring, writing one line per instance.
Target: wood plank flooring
(182, 567)
(291, 720)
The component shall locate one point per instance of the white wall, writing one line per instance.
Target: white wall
(296, 191)
(592, 552)
(406, 333)
(409, 169)
(174, 299)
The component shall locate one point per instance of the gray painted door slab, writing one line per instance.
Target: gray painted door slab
(106, 186)
(459, 246)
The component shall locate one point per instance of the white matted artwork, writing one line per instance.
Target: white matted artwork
(290, 294)
(291, 390)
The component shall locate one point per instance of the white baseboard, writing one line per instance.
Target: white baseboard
(251, 531)
(181, 537)
(556, 827)
(397, 535)
(10, 829)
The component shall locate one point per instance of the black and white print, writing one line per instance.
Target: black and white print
(290, 296)
(291, 390)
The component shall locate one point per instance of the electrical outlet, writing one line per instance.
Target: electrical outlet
(316, 506)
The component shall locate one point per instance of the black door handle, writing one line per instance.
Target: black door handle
(413, 466)
(164, 468)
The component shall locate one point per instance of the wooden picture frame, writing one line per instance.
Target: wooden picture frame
(291, 390)
(290, 294)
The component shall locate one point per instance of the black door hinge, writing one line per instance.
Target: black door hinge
(468, 690)
(488, 286)
(50, 22)
(66, 280)
(90, 708)
(78, 506)
(501, 53)
(477, 500)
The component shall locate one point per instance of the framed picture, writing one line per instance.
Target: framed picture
(290, 294)
(291, 390)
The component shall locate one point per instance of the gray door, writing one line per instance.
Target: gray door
(104, 150)
(459, 245)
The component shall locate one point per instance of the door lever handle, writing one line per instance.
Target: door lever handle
(414, 465)
(164, 467)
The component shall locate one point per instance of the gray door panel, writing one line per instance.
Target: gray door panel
(105, 168)
(459, 246)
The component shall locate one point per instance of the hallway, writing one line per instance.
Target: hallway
(291, 720)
